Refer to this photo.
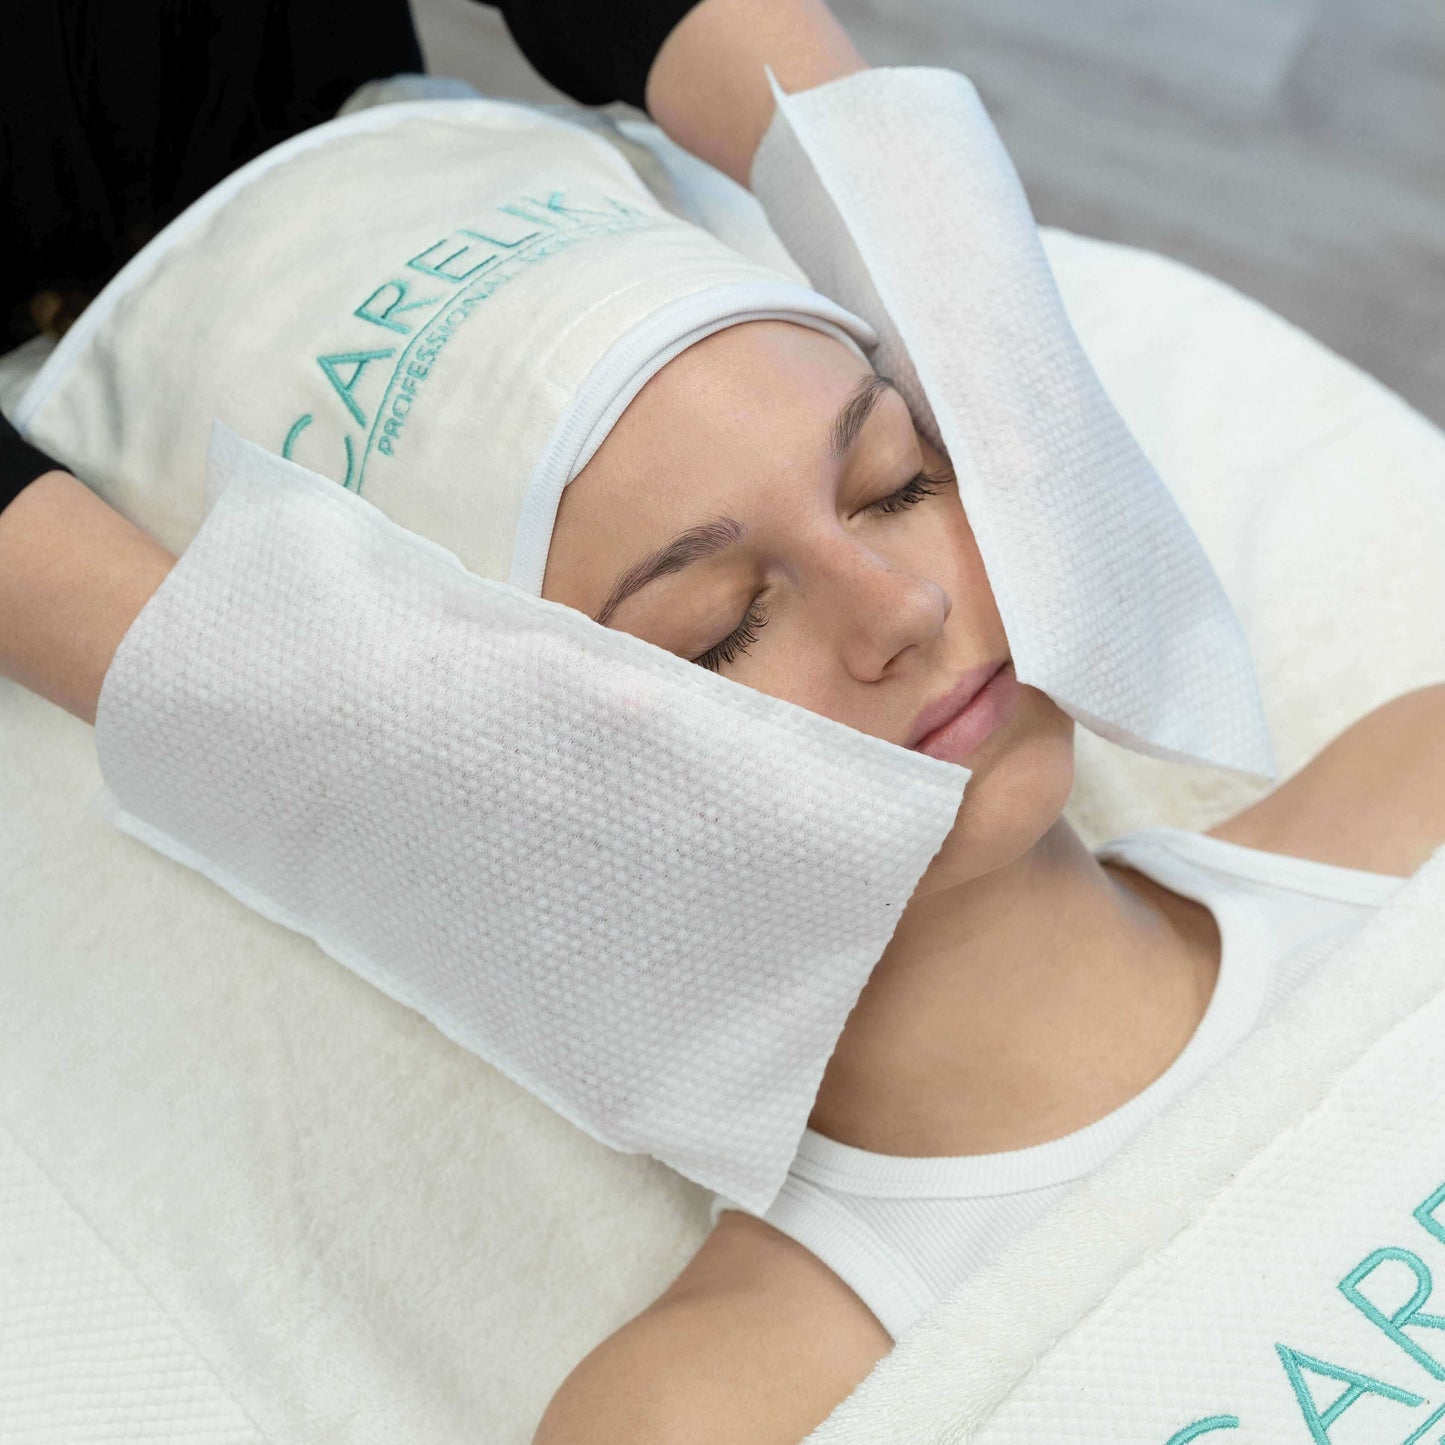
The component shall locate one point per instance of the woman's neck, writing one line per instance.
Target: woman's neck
(1020, 1006)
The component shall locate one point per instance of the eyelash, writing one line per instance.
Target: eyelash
(913, 491)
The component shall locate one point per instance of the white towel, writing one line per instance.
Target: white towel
(893, 191)
(647, 893)
(450, 332)
(1265, 1257)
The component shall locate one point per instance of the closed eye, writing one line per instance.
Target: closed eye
(913, 491)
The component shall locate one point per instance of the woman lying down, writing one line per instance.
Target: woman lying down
(765, 508)
(1039, 1001)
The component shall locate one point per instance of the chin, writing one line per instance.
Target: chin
(1022, 778)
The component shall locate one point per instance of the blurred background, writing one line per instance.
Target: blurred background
(1293, 148)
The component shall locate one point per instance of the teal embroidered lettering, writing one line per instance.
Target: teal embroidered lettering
(489, 255)
(475, 260)
(299, 426)
(1422, 1427)
(1407, 1314)
(494, 239)
(359, 360)
(1206, 1426)
(368, 311)
(557, 206)
(1358, 1385)
(1424, 1212)
(511, 208)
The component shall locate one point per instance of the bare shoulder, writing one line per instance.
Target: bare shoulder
(1374, 798)
(754, 1343)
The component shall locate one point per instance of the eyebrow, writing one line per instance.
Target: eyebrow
(708, 538)
(855, 411)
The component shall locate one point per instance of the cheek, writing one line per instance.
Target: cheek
(967, 580)
(794, 668)
(789, 663)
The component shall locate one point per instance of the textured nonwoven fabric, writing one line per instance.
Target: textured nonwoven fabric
(648, 894)
(442, 305)
(893, 191)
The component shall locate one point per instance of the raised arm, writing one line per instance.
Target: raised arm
(707, 89)
(73, 575)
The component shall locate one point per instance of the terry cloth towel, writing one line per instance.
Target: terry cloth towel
(1262, 1258)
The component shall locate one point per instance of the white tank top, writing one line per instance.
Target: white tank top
(903, 1232)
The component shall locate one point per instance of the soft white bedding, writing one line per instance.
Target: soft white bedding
(245, 1196)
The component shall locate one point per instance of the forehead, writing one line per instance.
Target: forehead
(765, 391)
(739, 424)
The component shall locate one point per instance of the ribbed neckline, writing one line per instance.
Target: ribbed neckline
(1233, 1008)
(1304, 875)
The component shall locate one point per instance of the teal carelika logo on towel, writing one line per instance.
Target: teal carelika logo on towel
(1308, 1373)
(395, 335)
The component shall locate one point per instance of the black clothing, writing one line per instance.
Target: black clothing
(114, 118)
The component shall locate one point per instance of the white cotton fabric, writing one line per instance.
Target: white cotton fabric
(647, 893)
(249, 1196)
(443, 305)
(1193, 1284)
(904, 1232)
(893, 191)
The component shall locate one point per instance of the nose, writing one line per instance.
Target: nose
(880, 609)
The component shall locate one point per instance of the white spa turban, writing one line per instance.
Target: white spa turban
(442, 305)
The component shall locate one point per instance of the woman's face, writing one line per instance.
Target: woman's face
(845, 585)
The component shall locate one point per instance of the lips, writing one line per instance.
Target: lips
(944, 709)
